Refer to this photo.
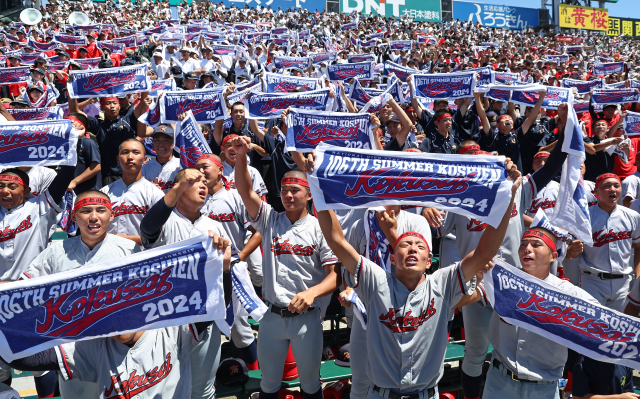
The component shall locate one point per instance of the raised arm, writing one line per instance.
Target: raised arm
(143, 105)
(492, 237)
(486, 126)
(255, 129)
(404, 121)
(533, 115)
(252, 202)
(332, 232)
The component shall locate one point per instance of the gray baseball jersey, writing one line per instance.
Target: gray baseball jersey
(469, 231)
(613, 237)
(157, 366)
(294, 255)
(407, 332)
(406, 222)
(529, 355)
(130, 204)
(630, 187)
(24, 233)
(164, 173)
(226, 208)
(545, 200)
(73, 252)
(39, 179)
(178, 228)
(258, 184)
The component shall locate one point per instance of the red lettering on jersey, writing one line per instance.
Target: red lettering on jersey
(164, 185)
(8, 233)
(476, 225)
(222, 217)
(124, 209)
(599, 239)
(285, 247)
(540, 204)
(400, 324)
(136, 384)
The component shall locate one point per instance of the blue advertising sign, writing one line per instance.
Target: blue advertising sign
(496, 16)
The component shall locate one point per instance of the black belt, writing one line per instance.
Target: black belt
(606, 276)
(285, 312)
(392, 395)
(497, 363)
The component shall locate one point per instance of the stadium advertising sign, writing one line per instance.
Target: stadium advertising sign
(496, 16)
(579, 17)
(419, 10)
(623, 26)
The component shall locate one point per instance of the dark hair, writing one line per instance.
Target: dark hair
(144, 149)
(81, 117)
(237, 103)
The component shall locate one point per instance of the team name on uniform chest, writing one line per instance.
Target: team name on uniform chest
(601, 238)
(136, 384)
(125, 209)
(286, 247)
(407, 322)
(8, 233)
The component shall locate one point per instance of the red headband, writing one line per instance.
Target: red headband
(92, 201)
(210, 158)
(105, 99)
(540, 155)
(13, 178)
(443, 116)
(73, 118)
(227, 138)
(216, 162)
(410, 234)
(481, 153)
(412, 149)
(469, 148)
(607, 176)
(294, 180)
(503, 116)
(545, 238)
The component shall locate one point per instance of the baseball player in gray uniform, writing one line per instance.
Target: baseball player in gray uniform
(133, 195)
(409, 311)
(174, 218)
(92, 213)
(25, 228)
(229, 164)
(224, 205)
(116, 363)
(299, 274)
(357, 239)
(607, 267)
(468, 232)
(163, 168)
(254, 261)
(524, 364)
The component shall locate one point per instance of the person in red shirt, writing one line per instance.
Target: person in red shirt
(92, 48)
(14, 88)
(624, 169)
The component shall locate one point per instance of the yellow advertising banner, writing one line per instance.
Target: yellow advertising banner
(579, 17)
(623, 26)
